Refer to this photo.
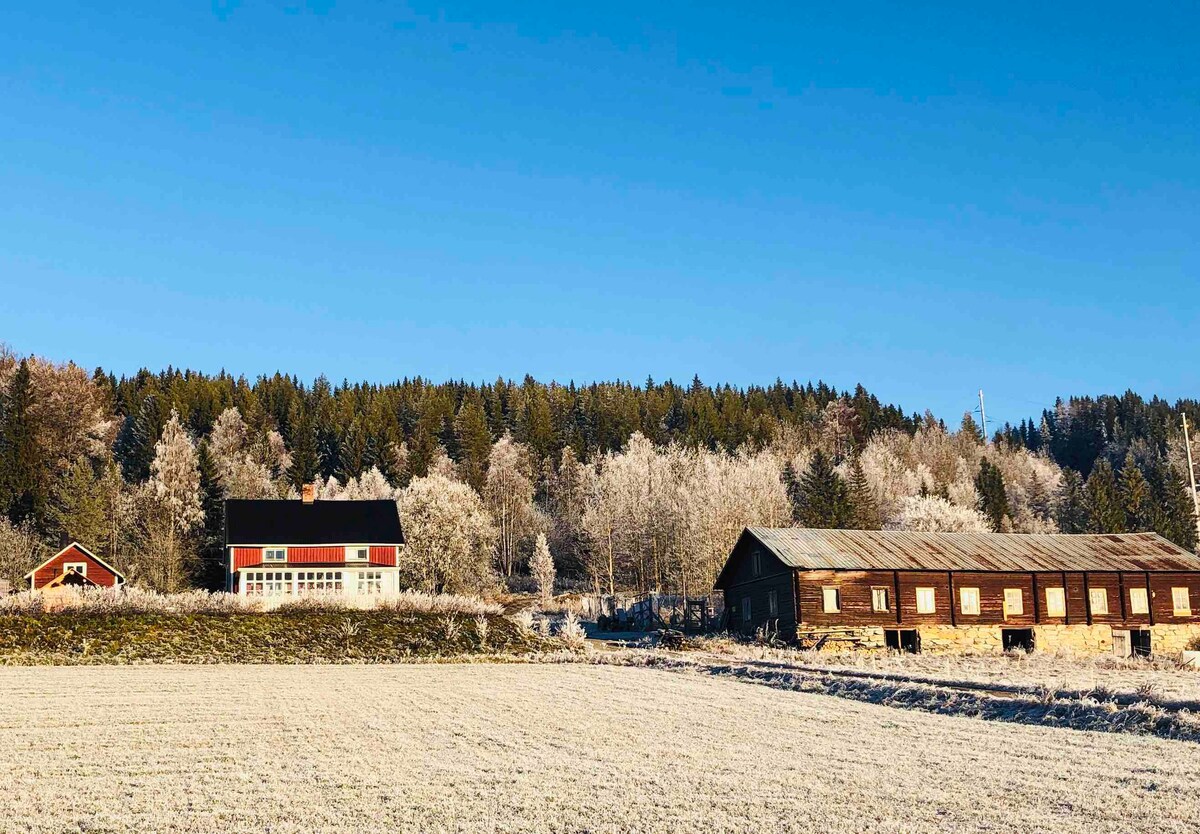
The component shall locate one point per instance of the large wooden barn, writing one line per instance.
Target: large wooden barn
(1128, 593)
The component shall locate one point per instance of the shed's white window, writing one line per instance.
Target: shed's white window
(968, 599)
(1014, 602)
(1098, 600)
(879, 599)
(926, 601)
(1181, 601)
(1139, 601)
(1056, 602)
(773, 603)
(79, 567)
(745, 609)
(831, 600)
(274, 554)
(358, 553)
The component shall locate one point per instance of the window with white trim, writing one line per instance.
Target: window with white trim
(358, 553)
(879, 599)
(745, 609)
(79, 567)
(968, 600)
(756, 563)
(274, 554)
(1181, 602)
(268, 582)
(1139, 601)
(1056, 602)
(773, 603)
(308, 581)
(926, 601)
(370, 581)
(1014, 602)
(831, 600)
(1098, 600)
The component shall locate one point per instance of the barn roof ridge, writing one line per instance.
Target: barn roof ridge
(819, 549)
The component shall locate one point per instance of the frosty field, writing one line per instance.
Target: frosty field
(564, 748)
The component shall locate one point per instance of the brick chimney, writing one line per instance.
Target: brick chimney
(308, 493)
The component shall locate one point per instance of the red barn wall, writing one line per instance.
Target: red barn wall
(96, 572)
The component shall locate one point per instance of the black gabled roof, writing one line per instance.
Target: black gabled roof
(321, 522)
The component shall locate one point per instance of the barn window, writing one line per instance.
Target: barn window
(831, 599)
(357, 553)
(275, 554)
(1014, 602)
(926, 601)
(745, 609)
(968, 599)
(756, 562)
(1139, 601)
(1056, 602)
(79, 567)
(773, 603)
(1098, 600)
(1181, 601)
(879, 599)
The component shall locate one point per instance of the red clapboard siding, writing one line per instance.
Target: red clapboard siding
(247, 556)
(315, 555)
(95, 571)
(383, 555)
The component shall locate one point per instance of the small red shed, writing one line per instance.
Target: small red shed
(72, 564)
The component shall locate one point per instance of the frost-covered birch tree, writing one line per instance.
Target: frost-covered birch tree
(173, 508)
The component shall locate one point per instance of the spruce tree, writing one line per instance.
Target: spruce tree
(23, 494)
(1105, 509)
(1174, 512)
(474, 440)
(993, 500)
(1071, 505)
(824, 496)
(212, 534)
(1136, 499)
(306, 459)
(866, 510)
(78, 509)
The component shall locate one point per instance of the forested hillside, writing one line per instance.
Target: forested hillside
(632, 485)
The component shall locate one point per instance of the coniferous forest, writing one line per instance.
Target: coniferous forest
(632, 485)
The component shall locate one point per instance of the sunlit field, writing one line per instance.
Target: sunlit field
(558, 748)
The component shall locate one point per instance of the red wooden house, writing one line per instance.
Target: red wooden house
(74, 565)
(279, 548)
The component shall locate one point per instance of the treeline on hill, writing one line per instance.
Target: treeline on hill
(627, 486)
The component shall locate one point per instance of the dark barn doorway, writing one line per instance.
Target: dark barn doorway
(1139, 642)
(1017, 639)
(902, 640)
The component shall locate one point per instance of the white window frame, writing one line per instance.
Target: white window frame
(1056, 602)
(772, 603)
(968, 601)
(370, 582)
(79, 567)
(1014, 602)
(836, 607)
(1100, 594)
(352, 551)
(745, 609)
(282, 557)
(876, 592)
(1187, 598)
(931, 593)
(1139, 601)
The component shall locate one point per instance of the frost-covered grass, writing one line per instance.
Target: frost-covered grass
(138, 601)
(545, 748)
(1154, 677)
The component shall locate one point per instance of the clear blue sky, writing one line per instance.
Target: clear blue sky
(924, 200)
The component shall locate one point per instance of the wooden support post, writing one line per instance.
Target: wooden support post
(1149, 600)
(950, 585)
(1087, 600)
(1036, 608)
(1121, 591)
(896, 588)
(1066, 601)
(796, 597)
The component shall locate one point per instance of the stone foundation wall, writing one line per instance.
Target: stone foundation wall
(1077, 638)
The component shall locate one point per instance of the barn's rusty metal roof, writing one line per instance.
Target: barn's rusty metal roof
(809, 549)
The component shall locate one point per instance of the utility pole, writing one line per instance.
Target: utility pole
(1187, 444)
(983, 417)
